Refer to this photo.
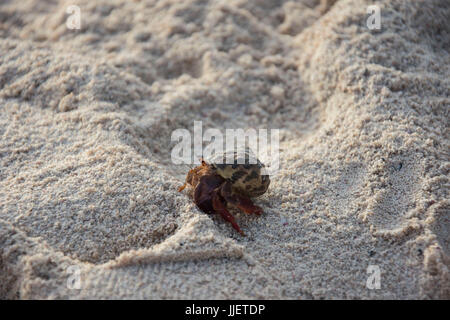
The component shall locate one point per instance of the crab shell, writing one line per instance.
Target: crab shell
(244, 174)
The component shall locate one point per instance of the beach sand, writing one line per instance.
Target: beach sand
(88, 188)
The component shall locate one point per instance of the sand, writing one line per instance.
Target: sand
(88, 188)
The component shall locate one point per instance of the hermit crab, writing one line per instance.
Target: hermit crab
(221, 182)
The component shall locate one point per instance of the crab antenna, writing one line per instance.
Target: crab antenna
(201, 159)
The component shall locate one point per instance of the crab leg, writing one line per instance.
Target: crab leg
(220, 208)
(182, 187)
(246, 205)
(242, 202)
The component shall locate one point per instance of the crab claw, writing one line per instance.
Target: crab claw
(242, 202)
(249, 207)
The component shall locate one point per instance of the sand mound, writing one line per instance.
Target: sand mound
(87, 182)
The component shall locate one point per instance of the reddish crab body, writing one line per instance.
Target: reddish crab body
(217, 185)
